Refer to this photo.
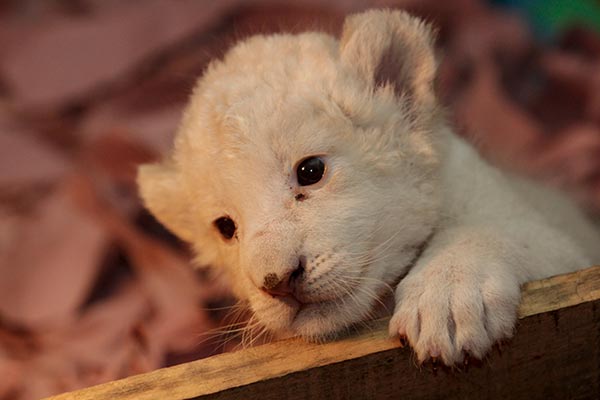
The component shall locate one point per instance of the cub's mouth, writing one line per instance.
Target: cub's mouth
(324, 319)
(319, 315)
(319, 309)
(302, 307)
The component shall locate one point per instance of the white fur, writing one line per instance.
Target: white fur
(396, 178)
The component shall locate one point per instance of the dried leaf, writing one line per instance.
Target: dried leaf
(58, 59)
(48, 272)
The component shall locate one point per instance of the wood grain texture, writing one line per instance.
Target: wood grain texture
(555, 354)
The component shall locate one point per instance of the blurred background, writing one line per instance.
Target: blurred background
(92, 288)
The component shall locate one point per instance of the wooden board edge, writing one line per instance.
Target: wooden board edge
(245, 367)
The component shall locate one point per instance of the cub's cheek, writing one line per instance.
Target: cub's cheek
(239, 288)
(242, 285)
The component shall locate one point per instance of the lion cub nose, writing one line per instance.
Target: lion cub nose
(286, 285)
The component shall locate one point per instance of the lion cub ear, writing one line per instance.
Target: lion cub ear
(163, 195)
(391, 47)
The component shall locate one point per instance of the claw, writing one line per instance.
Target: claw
(498, 346)
(466, 357)
(431, 364)
(503, 343)
(466, 360)
(435, 367)
(469, 360)
(403, 341)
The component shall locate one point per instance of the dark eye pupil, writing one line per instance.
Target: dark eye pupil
(226, 226)
(310, 171)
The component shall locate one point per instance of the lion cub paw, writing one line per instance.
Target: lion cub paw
(449, 312)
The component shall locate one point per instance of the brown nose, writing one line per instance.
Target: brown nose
(285, 286)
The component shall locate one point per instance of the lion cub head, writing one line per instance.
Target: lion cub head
(307, 168)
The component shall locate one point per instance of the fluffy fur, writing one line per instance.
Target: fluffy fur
(401, 193)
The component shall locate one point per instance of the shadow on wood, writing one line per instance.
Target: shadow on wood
(554, 355)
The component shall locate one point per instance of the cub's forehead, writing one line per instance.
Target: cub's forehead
(270, 98)
(267, 68)
(276, 59)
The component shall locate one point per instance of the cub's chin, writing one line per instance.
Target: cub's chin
(319, 321)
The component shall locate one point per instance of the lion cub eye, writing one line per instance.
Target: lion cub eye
(226, 227)
(310, 171)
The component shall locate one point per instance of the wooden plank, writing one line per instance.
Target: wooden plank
(555, 354)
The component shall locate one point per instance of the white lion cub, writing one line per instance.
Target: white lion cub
(319, 172)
